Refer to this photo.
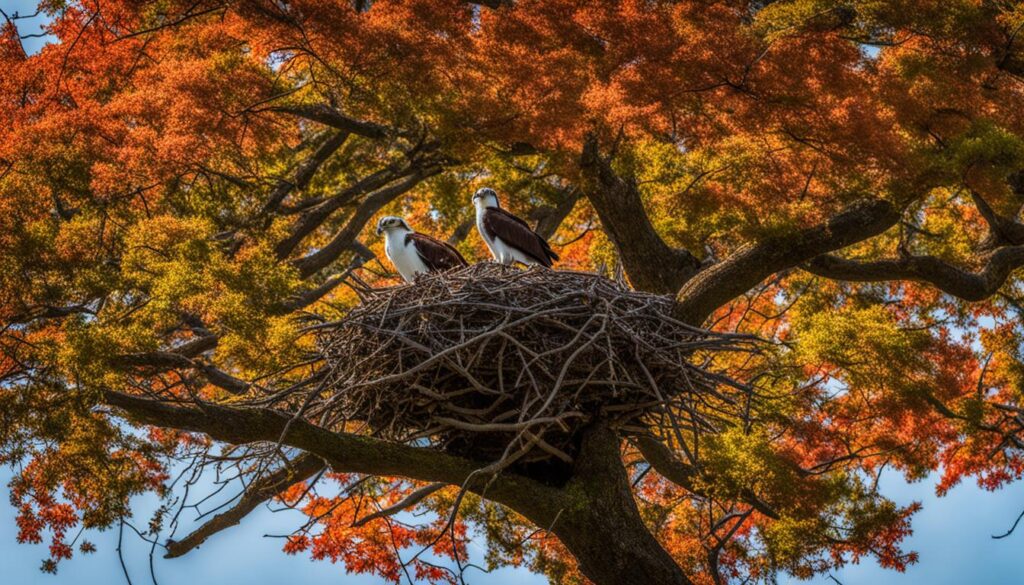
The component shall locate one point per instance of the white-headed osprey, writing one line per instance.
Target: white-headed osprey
(509, 238)
(413, 253)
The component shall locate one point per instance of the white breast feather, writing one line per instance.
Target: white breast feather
(404, 256)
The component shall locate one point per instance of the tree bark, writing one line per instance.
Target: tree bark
(261, 490)
(595, 515)
(749, 265)
(971, 286)
(652, 265)
(601, 525)
(346, 452)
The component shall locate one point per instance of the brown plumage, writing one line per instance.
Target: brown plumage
(517, 233)
(437, 255)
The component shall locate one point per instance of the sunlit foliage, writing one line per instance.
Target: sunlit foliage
(182, 181)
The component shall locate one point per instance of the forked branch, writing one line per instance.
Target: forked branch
(745, 268)
(259, 491)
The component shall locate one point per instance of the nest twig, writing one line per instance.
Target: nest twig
(507, 365)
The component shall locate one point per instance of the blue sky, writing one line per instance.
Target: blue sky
(952, 534)
(242, 554)
(25, 26)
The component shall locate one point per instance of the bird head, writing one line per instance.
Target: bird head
(390, 222)
(486, 197)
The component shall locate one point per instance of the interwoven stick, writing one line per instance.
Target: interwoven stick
(491, 360)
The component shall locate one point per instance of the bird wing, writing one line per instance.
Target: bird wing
(518, 234)
(437, 255)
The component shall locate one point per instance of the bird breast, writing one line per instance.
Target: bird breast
(480, 225)
(404, 256)
(498, 250)
(501, 251)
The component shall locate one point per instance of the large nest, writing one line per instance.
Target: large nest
(507, 365)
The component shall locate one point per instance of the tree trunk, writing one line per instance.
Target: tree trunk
(601, 525)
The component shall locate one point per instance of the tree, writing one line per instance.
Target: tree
(181, 180)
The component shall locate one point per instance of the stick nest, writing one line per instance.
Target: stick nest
(508, 365)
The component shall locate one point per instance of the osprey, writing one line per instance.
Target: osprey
(413, 253)
(509, 238)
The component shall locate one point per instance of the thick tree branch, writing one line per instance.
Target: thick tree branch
(462, 231)
(492, 4)
(550, 218)
(596, 501)
(1002, 230)
(167, 360)
(745, 268)
(259, 491)
(197, 346)
(346, 452)
(964, 284)
(47, 312)
(651, 264)
(328, 116)
(604, 504)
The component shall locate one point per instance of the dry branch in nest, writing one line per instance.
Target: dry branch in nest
(507, 365)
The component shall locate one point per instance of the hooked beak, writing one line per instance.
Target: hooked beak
(380, 230)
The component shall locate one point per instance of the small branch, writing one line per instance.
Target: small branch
(683, 475)
(312, 263)
(408, 502)
(259, 491)
(362, 255)
(1012, 528)
(168, 360)
(305, 172)
(313, 217)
